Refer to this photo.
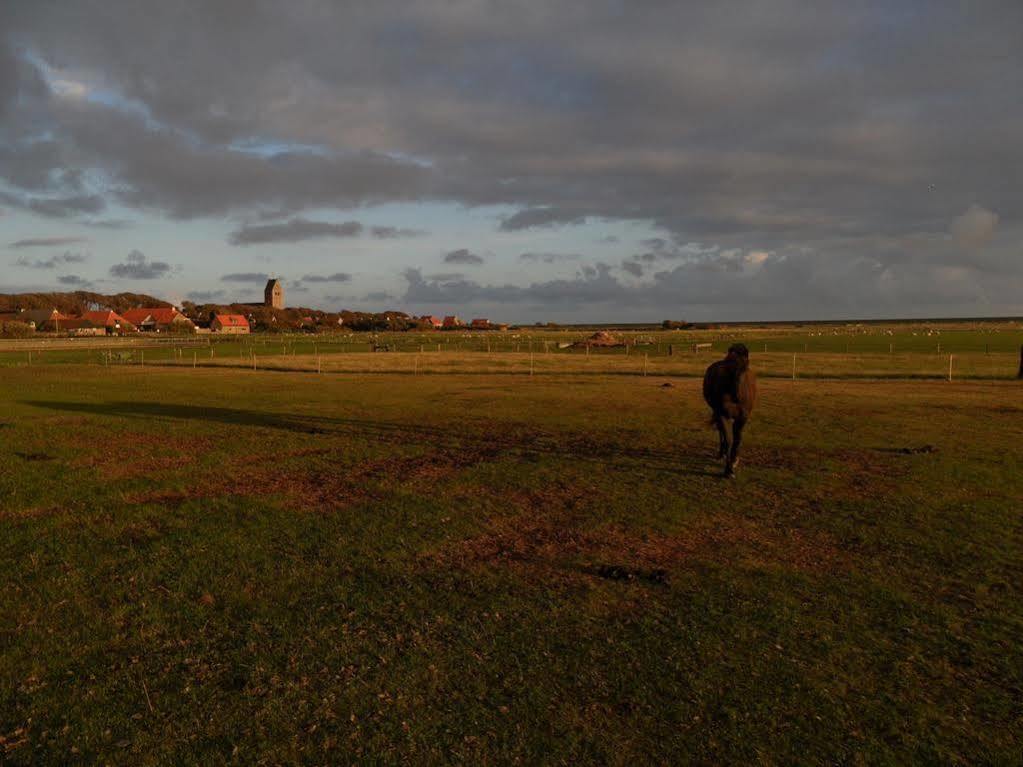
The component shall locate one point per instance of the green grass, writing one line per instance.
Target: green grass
(222, 566)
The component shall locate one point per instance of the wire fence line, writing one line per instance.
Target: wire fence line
(770, 365)
(976, 355)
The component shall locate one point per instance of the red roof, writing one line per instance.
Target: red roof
(161, 315)
(231, 320)
(104, 318)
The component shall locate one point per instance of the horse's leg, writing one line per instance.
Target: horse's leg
(733, 455)
(719, 422)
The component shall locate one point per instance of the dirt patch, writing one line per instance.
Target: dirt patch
(170, 499)
(33, 512)
(619, 573)
(138, 454)
(546, 544)
(333, 489)
(31, 457)
(923, 449)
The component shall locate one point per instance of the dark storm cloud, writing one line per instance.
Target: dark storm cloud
(549, 258)
(336, 277)
(463, 256)
(137, 267)
(52, 262)
(109, 223)
(57, 207)
(845, 136)
(245, 277)
(46, 242)
(295, 230)
(394, 232)
(540, 217)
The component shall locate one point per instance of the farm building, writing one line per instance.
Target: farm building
(229, 323)
(79, 326)
(480, 324)
(43, 319)
(114, 323)
(434, 322)
(159, 320)
(453, 321)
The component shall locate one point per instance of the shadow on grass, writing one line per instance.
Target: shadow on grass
(518, 439)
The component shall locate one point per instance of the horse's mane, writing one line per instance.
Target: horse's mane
(740, 355)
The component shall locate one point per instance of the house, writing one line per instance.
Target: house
(480, 324)
(159, 320)
(79, 326)
(434, 322)
(114, 323)
(452, 321)
(229, 323)
(43, 319)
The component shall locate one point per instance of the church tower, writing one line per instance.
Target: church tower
(273, 294)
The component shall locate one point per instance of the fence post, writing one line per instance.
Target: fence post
(793, 366)
(530, 362)
(644, 362)
(194, 356)
(1020, 374)
(950, 367)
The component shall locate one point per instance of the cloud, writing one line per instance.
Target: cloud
(52, 262)
(394, 233)
(462, 256)
(63, 207)
(73, 280)
(136, 267)
(336, 277)
(46, 242)
(975, 227)
(540, 217)
(245, 277)
(109, 223)
(377, 296)
(633, 267)
(205, 296)
(677, 118)
(549, 258)
(295, 230)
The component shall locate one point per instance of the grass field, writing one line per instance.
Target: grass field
(218, 565)
(966, 350)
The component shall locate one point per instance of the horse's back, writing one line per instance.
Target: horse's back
(730, 391)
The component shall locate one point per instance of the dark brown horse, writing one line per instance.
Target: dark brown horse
(730, 388)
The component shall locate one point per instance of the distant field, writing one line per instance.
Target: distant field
(226, 566)
(904, 350)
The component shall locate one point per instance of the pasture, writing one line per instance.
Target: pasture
(390, 564)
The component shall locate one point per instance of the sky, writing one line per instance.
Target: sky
(578, 161)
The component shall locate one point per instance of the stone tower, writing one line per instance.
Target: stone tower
(273, 294)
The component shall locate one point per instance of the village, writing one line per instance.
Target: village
(271, 314)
